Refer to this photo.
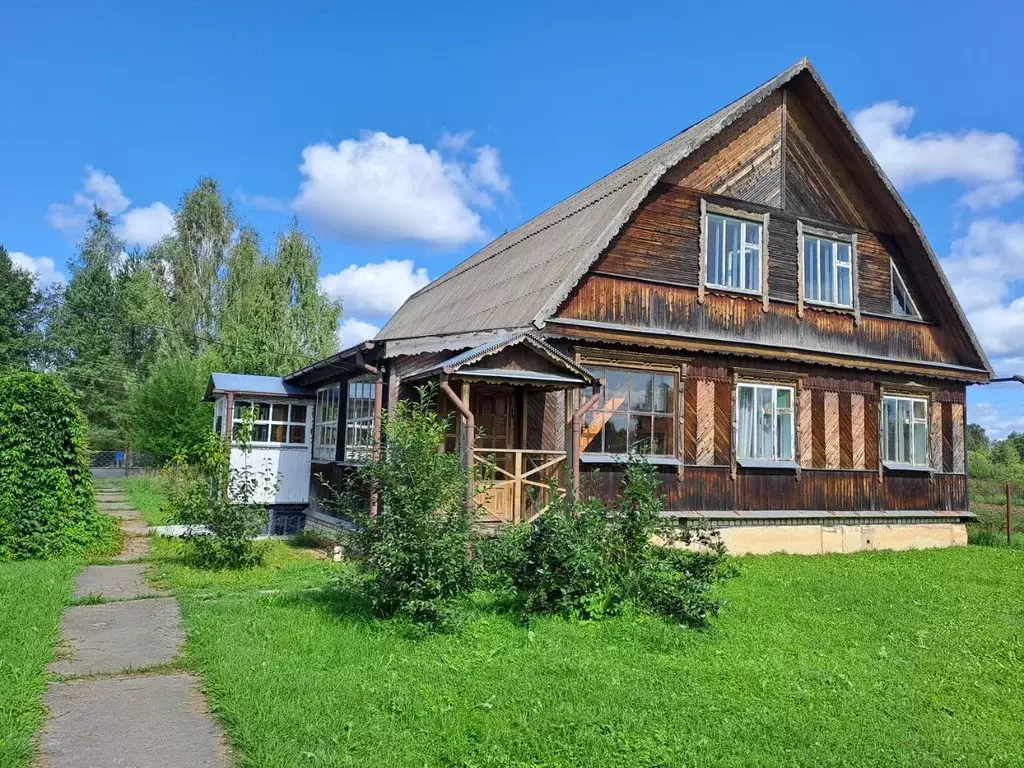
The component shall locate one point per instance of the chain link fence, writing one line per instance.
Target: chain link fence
(111, 464)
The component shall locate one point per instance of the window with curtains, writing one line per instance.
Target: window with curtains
(325, 429)
(733, 258)
(764, 422)
(905, 430)
(636, 413)
(828, 271)
(273, 423)
(359, 419)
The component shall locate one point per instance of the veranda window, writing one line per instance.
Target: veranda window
(325, 441)
(636, 413)
(273, 423)
(733, 254)
(905, 430)
(764, 422)
(828, 271)
(359, 419)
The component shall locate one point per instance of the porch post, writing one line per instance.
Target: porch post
(378, 400)
(577, 434)
(229, 418)
(463, 408)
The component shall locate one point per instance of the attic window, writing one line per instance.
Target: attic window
(733, 259)
(902, 303)
(828, 271)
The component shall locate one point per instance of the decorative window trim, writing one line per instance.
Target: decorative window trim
(894, 275)
(325, 428)
(774, 461)
(895, 463)
(762, 220)
(287, 423)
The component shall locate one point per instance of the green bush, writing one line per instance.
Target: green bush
(590, 559)
(168, 414)
(415, 552)
(218, 502)
(47, 504)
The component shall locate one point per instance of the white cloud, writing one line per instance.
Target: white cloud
(261, 202)
(380, 187)
(67, 219)
(351, 331)
(145, 226)
(987, 163)
(99, 188)
(43, 268)
(996, 421)
(377, 288)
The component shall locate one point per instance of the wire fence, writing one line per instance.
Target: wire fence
(123, 463)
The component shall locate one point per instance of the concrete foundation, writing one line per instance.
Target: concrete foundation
(817, 539)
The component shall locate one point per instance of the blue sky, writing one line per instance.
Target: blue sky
(447, 123)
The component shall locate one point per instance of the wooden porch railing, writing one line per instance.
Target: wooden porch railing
(514, 485)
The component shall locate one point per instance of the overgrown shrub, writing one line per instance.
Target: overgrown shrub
(590, 559)
(47, 504)
(415, 551)
(218, 502)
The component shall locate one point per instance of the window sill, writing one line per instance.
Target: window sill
(894, 466)
(740, 293)
(844, 308)
(622, 458)
(767, 464)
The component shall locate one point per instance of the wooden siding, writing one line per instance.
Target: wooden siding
(712, 490)
(640, 304)
(744, 162)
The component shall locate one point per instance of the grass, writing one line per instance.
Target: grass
(33, 596)
(147, 494)
(894, 659)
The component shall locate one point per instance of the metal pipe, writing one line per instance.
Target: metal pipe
(467, 414)
(577, 435)
(1018, 378)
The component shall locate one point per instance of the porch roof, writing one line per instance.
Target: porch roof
(240, 383)
(465, 364)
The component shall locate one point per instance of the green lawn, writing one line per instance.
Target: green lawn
(33, 596)
(887, 659)
(147, 495)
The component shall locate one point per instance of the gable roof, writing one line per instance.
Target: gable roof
(468, 361)
(520, 279)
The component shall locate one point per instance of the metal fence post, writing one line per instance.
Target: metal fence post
(1009, 517)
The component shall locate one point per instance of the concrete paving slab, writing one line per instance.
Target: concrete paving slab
(121, 514)
(112, 637)
(135, 722)
(116, 582)
(134, 547)
(134, 527)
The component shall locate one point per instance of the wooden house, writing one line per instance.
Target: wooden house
(750, 304)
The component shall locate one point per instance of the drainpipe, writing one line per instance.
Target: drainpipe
(577, 434)
(467, 414)
(378, 401)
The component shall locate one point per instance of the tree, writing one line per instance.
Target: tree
(87, 329)
(168, 414)
(21, 309)
(977, 440)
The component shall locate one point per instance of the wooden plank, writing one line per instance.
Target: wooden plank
(845, 430)
(805, 429)
(935, 436)
(831, 430)
(959, 445)
(857, 431)
(704, 408)
(723, 422)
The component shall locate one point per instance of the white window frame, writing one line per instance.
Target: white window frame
(834, 243)
(895, 277)
(774, 388)
(325, 423)
(744, 223)
(359, 404)
(271, 421)
(917, 462)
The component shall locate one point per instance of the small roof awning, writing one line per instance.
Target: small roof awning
(519, 358)
(254, 386)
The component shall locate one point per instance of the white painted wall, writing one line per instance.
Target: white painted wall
(289, 463)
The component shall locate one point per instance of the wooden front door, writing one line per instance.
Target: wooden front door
(494, 409)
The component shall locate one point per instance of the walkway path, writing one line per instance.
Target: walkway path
(122, 701)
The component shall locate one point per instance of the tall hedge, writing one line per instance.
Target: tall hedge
(47, 503)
